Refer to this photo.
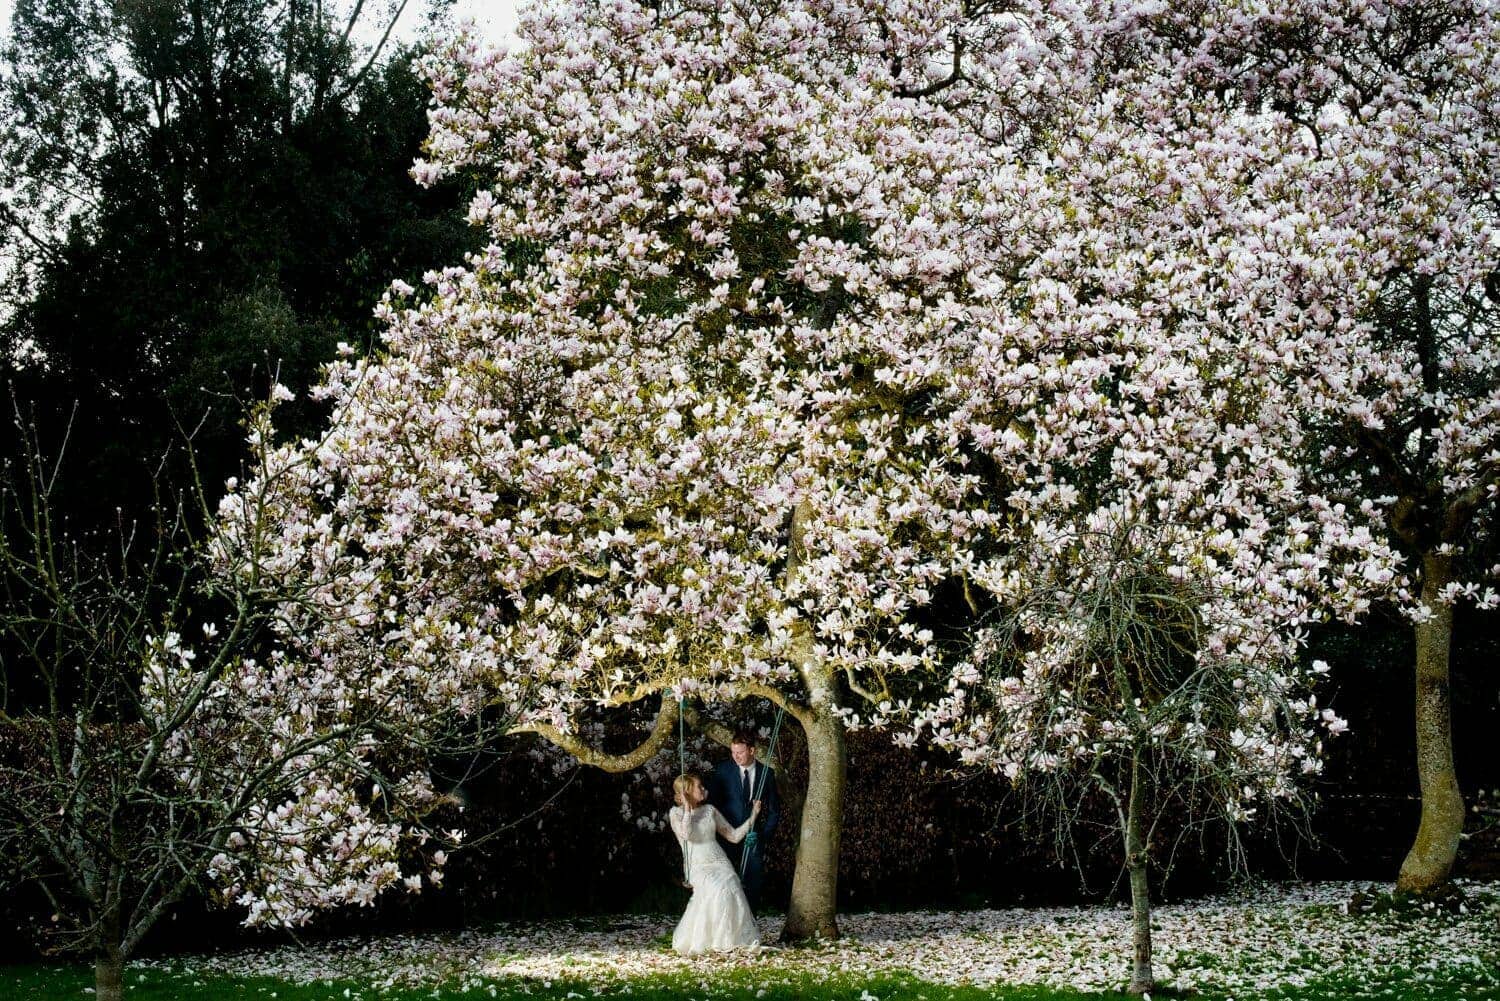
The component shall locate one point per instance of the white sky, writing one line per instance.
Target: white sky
(495, 19)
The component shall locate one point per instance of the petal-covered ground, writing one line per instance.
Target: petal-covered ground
(1251, 941)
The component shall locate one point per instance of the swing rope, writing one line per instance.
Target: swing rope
(751, 841)
(682, 770)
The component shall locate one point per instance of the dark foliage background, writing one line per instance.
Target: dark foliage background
(191, 212)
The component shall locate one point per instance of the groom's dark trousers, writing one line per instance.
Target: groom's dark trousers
(726, 790)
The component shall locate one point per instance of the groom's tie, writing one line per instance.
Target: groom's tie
(745, 785)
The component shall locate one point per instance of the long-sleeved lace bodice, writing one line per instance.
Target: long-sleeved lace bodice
(700, 826)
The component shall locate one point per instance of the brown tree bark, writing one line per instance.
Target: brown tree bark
(1141, 977)
(813, 909)
(1430, 861)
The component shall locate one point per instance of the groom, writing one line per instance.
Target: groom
(732, 787)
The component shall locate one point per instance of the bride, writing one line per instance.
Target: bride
(718, 915)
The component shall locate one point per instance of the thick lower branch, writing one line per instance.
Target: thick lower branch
(661, 733)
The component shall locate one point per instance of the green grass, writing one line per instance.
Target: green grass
(56, 983)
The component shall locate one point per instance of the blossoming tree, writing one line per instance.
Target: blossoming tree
(671, 432)
(1379, 132)
(1158, 550)
(790, 317)
(158, 739)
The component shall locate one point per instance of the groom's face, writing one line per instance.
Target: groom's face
(743, 754)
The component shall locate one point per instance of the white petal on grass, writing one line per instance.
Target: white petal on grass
(1251, 940)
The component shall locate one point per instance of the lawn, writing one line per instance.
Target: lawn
(1275, 943)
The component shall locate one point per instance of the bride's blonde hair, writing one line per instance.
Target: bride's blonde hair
(680, 786)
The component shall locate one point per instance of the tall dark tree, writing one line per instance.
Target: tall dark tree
(204, 191)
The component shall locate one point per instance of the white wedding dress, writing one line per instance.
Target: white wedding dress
(718, 915)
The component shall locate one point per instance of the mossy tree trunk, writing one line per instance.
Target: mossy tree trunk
(813, 909)
(1430, 861)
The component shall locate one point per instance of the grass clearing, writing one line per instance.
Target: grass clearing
(1287, 942)
(48, 983)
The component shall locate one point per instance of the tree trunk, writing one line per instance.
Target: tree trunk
(813, 910)
(1141, 979)
(1428, 864)
(109, 970)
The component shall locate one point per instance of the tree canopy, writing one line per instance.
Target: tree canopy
(789, 319)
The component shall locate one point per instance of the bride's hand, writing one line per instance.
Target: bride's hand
(755, 808)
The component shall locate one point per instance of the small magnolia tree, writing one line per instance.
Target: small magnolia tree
(1122, 672)
(157, 740)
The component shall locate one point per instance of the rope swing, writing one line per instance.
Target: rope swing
(681, 735)
(751, 840)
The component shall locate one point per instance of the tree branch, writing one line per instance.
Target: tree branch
(11, 216)
(953, 77)
(359, 77)
(1461, 509)
(661, 733)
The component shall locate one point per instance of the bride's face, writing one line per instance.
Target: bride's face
(697, 794)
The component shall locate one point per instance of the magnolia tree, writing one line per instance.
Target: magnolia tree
(1261, 312)
(1377, 128)
(1155, 551)
(673, 432)
(160, 738)
(788, 318)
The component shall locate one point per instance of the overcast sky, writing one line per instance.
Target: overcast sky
(495, 18)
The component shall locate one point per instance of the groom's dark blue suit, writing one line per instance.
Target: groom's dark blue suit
(726, 790)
